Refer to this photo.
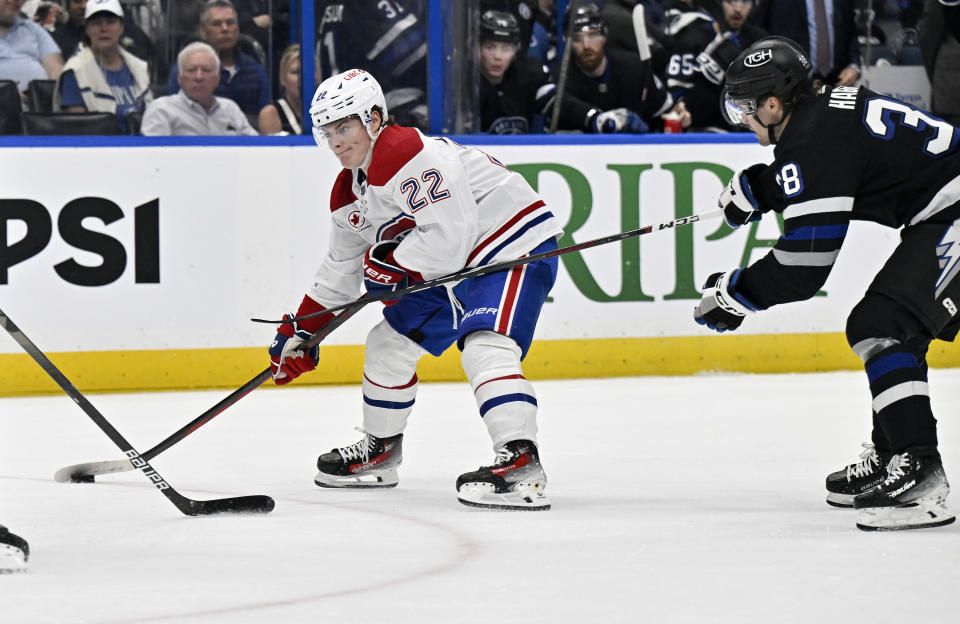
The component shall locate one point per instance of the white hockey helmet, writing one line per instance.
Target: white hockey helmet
(354, 92)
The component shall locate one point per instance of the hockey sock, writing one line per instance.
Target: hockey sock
(901, 400)
(506, 400)
(389, 381)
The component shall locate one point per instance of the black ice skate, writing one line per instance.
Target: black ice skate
(14, 552)
(857, 478)
(370, 463)
(912, 496)
(515, 481)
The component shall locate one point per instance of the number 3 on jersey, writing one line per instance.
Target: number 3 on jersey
(882, 116)
(431, 179)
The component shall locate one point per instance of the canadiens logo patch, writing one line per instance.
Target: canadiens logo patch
(356, 219)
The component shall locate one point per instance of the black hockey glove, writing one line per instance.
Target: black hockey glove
(740, 205)
(720, 308)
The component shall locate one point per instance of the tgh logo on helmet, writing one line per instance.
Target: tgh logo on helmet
(758, 58)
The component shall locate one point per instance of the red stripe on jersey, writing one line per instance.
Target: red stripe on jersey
(518, 376)
(412, 382)
(506, 226)
(342, 193)
(512, 293)
(395, 147)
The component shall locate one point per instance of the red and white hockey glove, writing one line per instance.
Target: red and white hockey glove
(383, 274)
(287, 360)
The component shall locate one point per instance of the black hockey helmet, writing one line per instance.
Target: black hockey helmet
(772, 66)
(499, 26)
(585, 17)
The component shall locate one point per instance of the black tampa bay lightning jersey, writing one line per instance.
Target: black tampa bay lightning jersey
(849, 154)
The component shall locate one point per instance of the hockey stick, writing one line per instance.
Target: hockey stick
(503, 266)
(640, 32)
(564, 66)
(84, 473)
(188, 506)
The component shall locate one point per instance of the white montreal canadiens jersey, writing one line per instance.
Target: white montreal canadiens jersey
(456, 206)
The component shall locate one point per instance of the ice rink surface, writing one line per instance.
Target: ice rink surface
(677, 499)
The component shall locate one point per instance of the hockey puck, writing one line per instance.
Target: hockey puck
(82, 478)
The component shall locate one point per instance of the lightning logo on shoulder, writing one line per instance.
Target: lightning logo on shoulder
(948, 254)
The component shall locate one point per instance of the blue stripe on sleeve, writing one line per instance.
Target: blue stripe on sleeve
(817, 232)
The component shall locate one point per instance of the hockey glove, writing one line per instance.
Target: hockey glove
(287, 360)
(721, 308)
(616, 120)
(382, 273)
(739, 204)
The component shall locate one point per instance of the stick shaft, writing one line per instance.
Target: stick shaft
(186, 505)
(503, 266)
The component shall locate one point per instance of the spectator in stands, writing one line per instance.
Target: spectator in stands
(509, 82)
(242, 78)
(27, 51)
(710, 66)
(283, 116)
(194, 109)
(832, 20)
(255, 20)
(602, 92)
(939, 30)
(69, 33)
(102, 76)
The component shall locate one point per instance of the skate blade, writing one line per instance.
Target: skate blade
(843, 501)
(11, 560)
(924, 515)
(522, 498)
(368, 480)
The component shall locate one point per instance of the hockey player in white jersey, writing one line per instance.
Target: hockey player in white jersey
(14, 552)
(408, 208)
(846, 154)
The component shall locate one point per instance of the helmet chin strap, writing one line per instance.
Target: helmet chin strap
(771, 127)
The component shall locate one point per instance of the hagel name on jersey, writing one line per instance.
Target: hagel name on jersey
(843, 97)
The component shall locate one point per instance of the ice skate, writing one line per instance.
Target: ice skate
(370, 463)
(14, 552)
(912, 496)
(515, 481)
(857, 478)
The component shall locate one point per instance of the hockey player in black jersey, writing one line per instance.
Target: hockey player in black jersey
(846, 154)
(709, 66)
(604, 89)
(387, 38)
(513, 87)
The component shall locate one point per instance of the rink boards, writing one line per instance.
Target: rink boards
(137, 264)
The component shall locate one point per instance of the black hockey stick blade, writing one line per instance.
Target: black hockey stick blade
(503, 266)
(256, 503)
(85, 472)
(188, 506)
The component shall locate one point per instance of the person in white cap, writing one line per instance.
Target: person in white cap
(103, 77)
(408, 208)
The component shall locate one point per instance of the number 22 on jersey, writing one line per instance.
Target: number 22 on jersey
(429, 192)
